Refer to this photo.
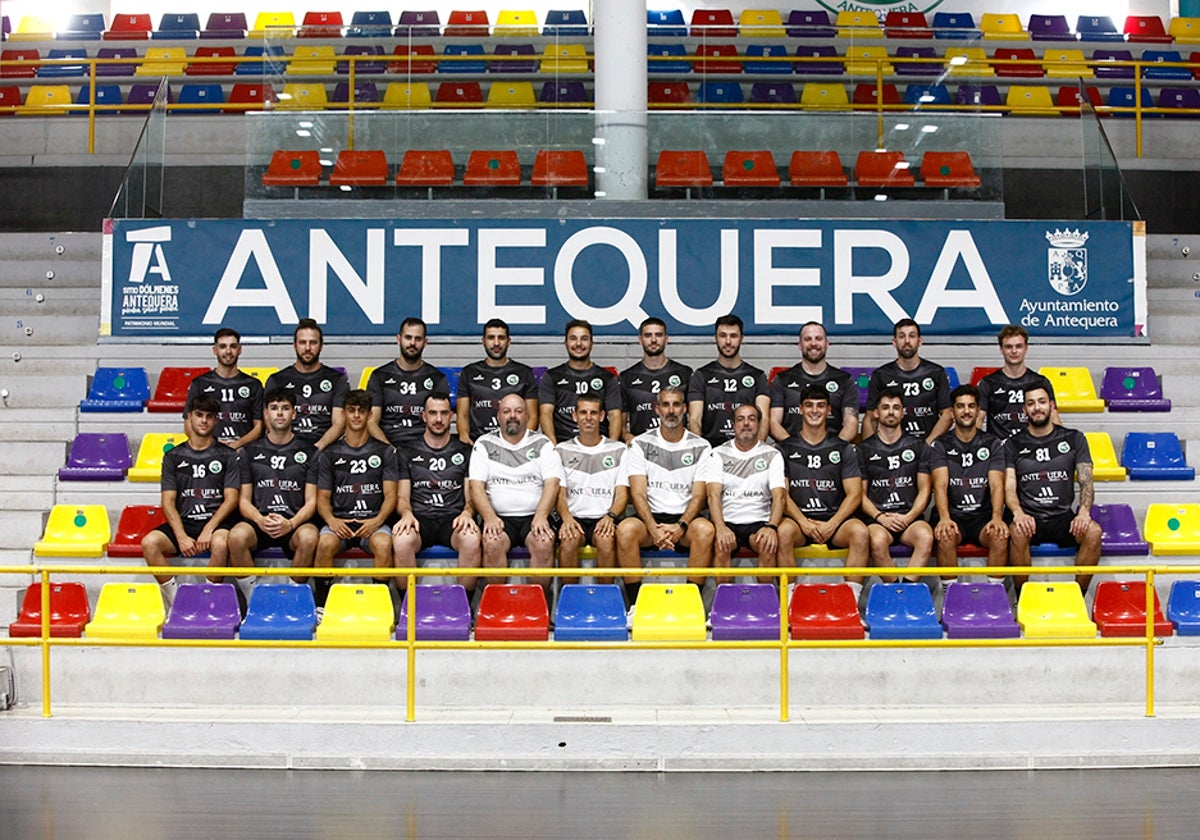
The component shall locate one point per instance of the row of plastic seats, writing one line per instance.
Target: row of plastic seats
(314, 24)
(591, 612)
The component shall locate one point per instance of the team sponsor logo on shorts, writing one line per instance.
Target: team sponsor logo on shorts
(512, 379)
(907, 456)
(456, 459)
(301, 457)
(326, 385)
(244, 391)
(374, 461)
(1064, 447)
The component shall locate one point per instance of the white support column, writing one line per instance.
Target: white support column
(620, 44)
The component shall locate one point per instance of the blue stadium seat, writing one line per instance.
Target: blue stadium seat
(668, 51)
(106, 95)
(955, 26)
(117, 389)
(902, 611)
(565, 23)
(85, 27)
(1155, 456)
(666, 24)
(370, 25)
(1158, 56)
(719, 92)
(60, 71)
(261, 68)
(197, 94)
(1183, 607)
(178, 27)
(1123, 97)
(590, 612)
(1097, 29)
(284, 611)
(462, 66)
(927, 96)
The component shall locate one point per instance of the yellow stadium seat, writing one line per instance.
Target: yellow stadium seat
(313, 60)
(669, 612)
(357, 613)
(860, 61)
(858, 25)
(968, 61)
(1033, 101)
(1066, 64)
(820, 552)
(1172, 528)
(818, 95)
(1054, 611)
(148, 466)
(302, 97)
(32, 28)
(407, 96)
(1073, 386)
(273, 25)
(41, 97)
(564, 58)
(163, 61)
(1105, 466)
(761, 23)
(365, 377)
(521, 23)
(1002, 27)
(75, 531)
(126, 612)
(511, 95)
(1185, 30)
(262, 374)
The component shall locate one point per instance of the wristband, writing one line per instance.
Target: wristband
(682, 525)
(769, 525)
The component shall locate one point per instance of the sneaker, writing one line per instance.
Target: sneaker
(168, 591)
(320, 614)
(629, 617)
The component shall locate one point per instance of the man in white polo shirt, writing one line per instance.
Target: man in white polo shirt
(514, 479)
(594, 492)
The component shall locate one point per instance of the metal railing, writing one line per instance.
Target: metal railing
(784, 644)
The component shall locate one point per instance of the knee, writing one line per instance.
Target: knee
(701, 529)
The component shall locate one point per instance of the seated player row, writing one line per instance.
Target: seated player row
(398, 388)
(515, 487)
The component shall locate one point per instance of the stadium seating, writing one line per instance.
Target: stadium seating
(824, 611)
(683, 169)
(1002, 27)
(1069, 98)
(425, 168)
(1097, 29)
(1114, 72)
(134, 523)
(177, 27)
(667, 23)
(1053, 611)
(983, 96)
(427, 24)
(127, 612)
(1073, 388)
(1105, 466)
(955, 26)
(1179, 98)
(69, 611)
(212, 68)
(370, 25)
(516, 23)
(492, 168)
(400, 95)
(1173, 528)
(260, 67)
(918, 68)
(1151, 456)
(749, 169)
(321, 25)
(58, 71)
(1050, 28)
(881, 168)
(866, 93)
(948, 170)
(465, 24)
(1145, 29)
(442, 614)
(564, 58)
(147, 466)
(311, 60)
(816, 169)
(302, 96)
(774, 55)
(129, 28)
(87, 27)
(461, 59)
(559, 168)
(1028, 65)
(512, 612)
(143, 96)
(359, 168)
(268, 24)
(293, 169)
(772, 93)
(247, 97)
(978, 611)
(590, 613)
(809, 24)
(221, 25)
(1132, 389)
(1123, 97)
(908, 25)
(858, 24)
(901, 611)
(1163, 57)
(745, 612)
(761, 23)
(811, 65)
(1184, 30)
(1033, 101)
(668, 93)
(164, 61)
(1183, 607)
(713, 23)
(203, 611)
(1066, 64)
(26, 68)
(818, 96)
(671, 612)
(717, 58)
(1120, 609)
(565, 23)
(10, 97)
(868, 60)
(667, 58)
(460, 94)
(366, 95)
(280, 611)
(42, 98)
(511, 95)
(1121, 537)
(357, 612)
(97, 456)
(719, 93)
(117, 390)
(564, 93)
(514, 66)
(410, 64)
(968, 61)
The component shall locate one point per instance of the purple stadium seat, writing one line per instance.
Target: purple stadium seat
(862, 377)
(421, 25)
(902, 611)
(773, 92)
(144, 94)
(810, 24)
(525, 66)
(203, 611)
(97, 457)
(590, 612)
(1133, 389)
(363, 67)
(745, 612)
(978, 611)
(1103, 72)
(1121, 535)
(222, 25)
(917, 68)
(115, 69)
(564, 92)
(1050, 28)
(824, 68)
(985, 95)
(442, 614)
(1179, 97)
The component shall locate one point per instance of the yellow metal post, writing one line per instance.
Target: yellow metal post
(783, 649)
(1150, 642)
(92, 107)
(45, 577)
(410, 623)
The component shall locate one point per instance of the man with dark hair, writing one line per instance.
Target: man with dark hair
(514, 479)
(895, 469)
(825, 486)
(278, 474)
(579, 375)
(1043, 463)
(357, 478)
(481, 385)
(747, 492)
(199, 496)
(593, 494)
(398, 388)
(640, 383)
(719, 387)
(924, 386)
(968, 485)
(812, 369)
(239, 394)
(432, 503)
(1002, 392)
(317, 388)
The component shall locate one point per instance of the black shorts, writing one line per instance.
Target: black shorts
(517, 528)
(589, 529)
(436, 531)
(893, 537)
(1055, 529)
(743, 531)
(190, 527)
(829, 546)
(971, 525)
(264, 541)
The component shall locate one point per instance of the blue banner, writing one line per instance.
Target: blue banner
(362, 277)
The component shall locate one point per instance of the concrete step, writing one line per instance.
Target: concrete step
(26, 492)
(25, 303)
(55, 393)
(41, 419)
(51, 330)
(20, 529)
(39, 458)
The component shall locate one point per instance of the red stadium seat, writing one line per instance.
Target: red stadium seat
(683, 169)
(293, 169)
(1146, 29)
(467, 25)
(359, 168)
(948, 169)
(129, 28)
(750, 169)
(26, 69)
(215, 68)
(426, 168)
(410, 64)
(713, 23)
(559, 168)
(723, 51)
(669, 93)
(460, 94)
(816, 169)
(321, 25)
(135, 522)
(906, 25)
(69, 611)
(248, 95)
(170, 393)
(883, 169)
(492, 169)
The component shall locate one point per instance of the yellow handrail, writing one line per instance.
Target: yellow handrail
(784, 644)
